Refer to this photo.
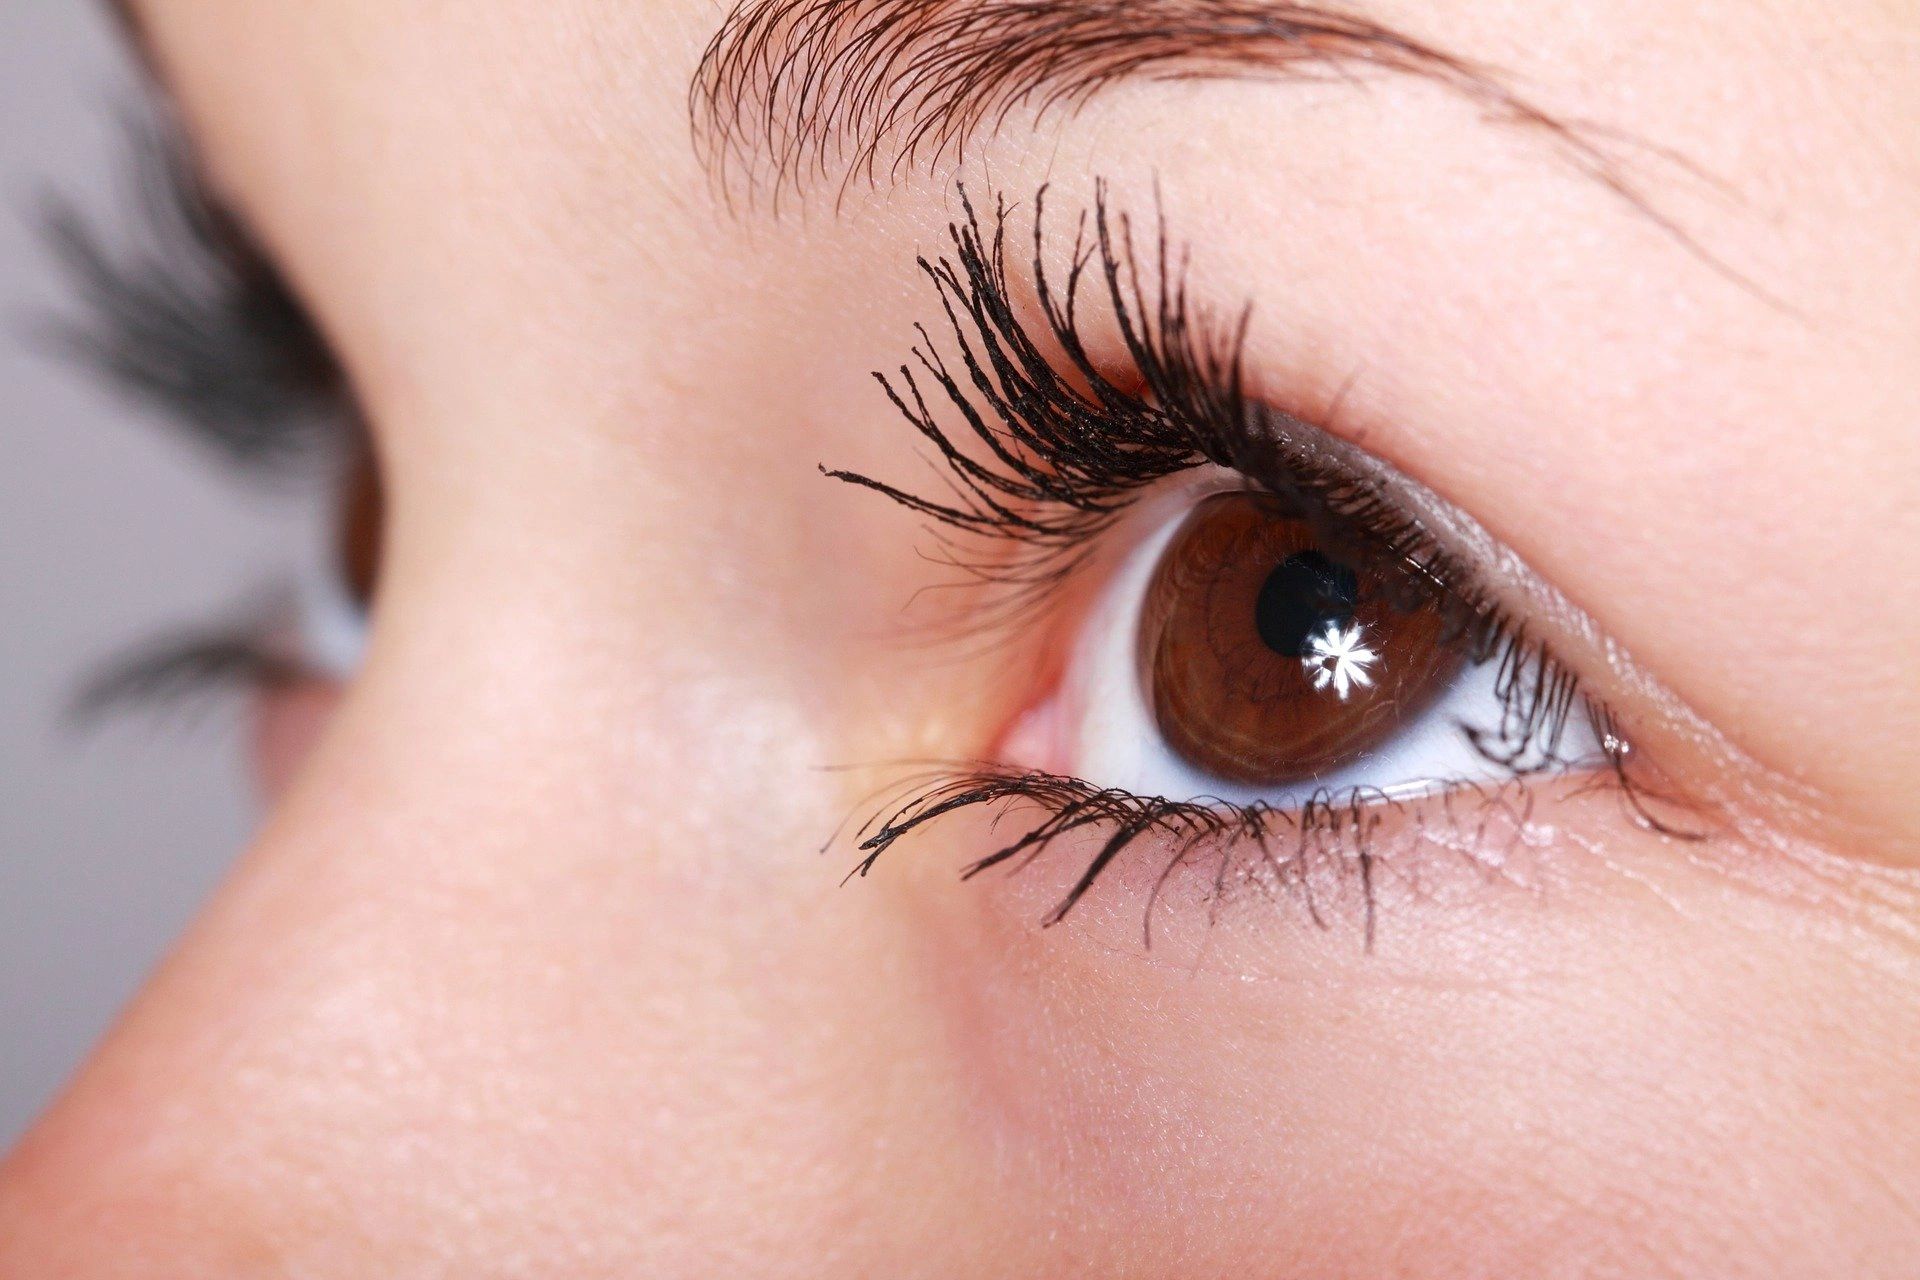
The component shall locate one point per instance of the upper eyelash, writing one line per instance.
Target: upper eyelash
(1068, 450)
(1065, 450)
(192, 317)
(1064, 462)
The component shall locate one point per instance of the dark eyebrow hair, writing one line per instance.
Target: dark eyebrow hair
(795, 91)
(800, 89)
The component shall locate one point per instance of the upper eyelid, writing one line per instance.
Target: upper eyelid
(1508, 581)
(1722, 778)
(1498, 572)
(1494, 575)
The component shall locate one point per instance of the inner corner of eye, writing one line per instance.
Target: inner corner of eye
(1245, 652)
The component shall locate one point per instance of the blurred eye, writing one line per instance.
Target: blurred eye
(189, 315)
(1242, 654)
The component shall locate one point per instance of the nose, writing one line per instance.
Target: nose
(249, 1115)
(403, 1033)
(436, 1024)
(358, 1063)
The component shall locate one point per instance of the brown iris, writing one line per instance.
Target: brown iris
(1270, 659)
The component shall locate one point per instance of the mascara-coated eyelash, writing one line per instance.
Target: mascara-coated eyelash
(1319, 842)
(1055, 447)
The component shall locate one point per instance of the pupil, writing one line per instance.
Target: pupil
(1302, 594)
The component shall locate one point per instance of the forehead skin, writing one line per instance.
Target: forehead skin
(537, 972)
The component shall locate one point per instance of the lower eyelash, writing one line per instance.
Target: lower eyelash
(1330, 839)
(185, 670)
(1328, 836)
(313, 630)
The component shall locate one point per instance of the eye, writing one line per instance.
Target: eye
(1267, 661)
(1246, 651)
(1294, 630)
(190, 316)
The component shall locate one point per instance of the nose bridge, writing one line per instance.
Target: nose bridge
(432, 1001)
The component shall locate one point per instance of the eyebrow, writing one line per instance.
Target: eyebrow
(798, 90)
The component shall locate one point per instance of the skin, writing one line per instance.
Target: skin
(535, 969)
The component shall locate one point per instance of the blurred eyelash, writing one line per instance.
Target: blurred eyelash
(1056, 451)
(185, 313)
(184, 671)
(190, 316)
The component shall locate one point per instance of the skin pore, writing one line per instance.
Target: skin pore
(536, 967)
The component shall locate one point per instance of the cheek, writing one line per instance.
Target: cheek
(1519, 1078)
(286, 723)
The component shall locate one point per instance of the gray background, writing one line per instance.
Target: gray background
(109, 529)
